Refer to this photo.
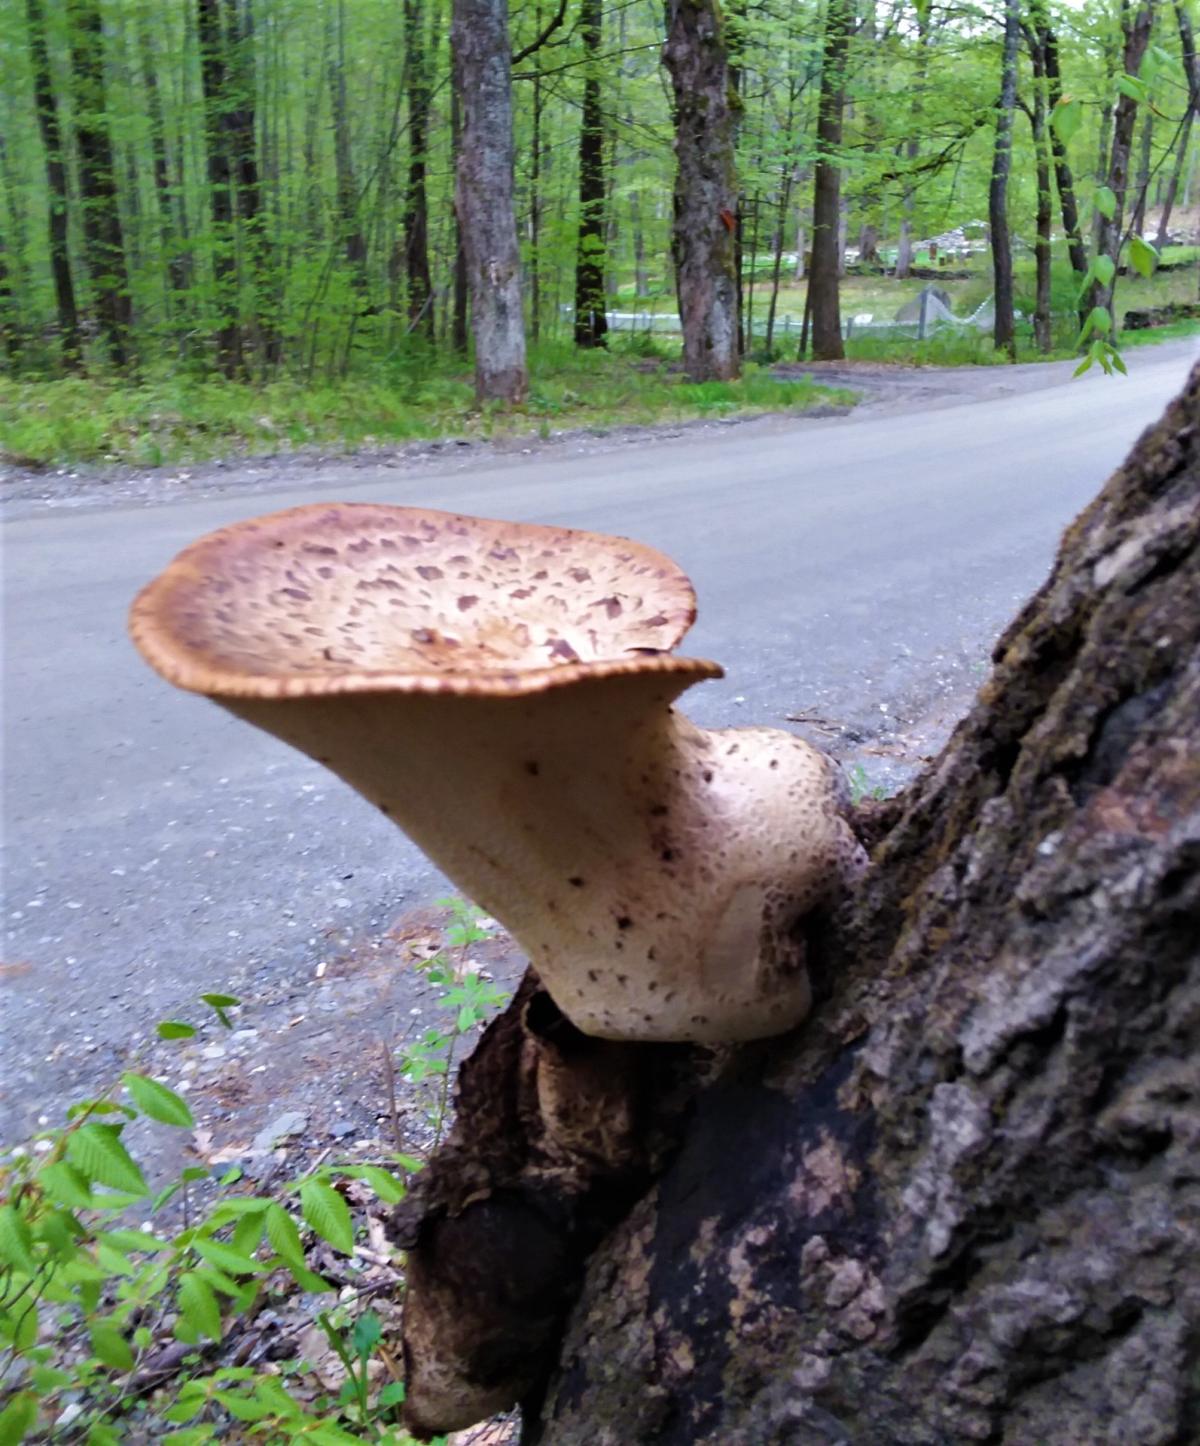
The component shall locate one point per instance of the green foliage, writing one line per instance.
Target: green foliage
(85, 1300)
(182, 419)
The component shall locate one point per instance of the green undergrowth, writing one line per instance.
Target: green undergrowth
(135, 1309)
(159, 420)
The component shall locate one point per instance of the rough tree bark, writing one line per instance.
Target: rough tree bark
(56, 184)
(1136, 31)
(824, 302)
(1047, 44)
(104, 244)
(962, 1202)
(704, 242)
(591, 312)
(1004, 333)
(484, 197)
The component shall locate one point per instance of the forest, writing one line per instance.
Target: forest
(262, 193)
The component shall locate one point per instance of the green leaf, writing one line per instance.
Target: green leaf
(221, 1001)
(114, 1261)
(392, 1394)
(1104, 268)
(283, 1235)
(328, 1214)
(48, 1379)
(243, 1408)
(99, 1153)
(1143, 256)
(198, 1305)
(66, 1185)
(175, 1029)
(1084, 366)
(18, 1418)
(101, 1435)
(368, 1332)
(225, 1257)
(1134, 88)
(25, 1327)
(248, 1233)
(135, 1240)
(1066, 118)
(1119, 362)
(307, 1279)
(385, 1185)
(16, 1240)
(110, 1346)
(157, 1101)
(1106, 202)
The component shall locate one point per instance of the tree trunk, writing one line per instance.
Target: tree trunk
(483, 82)
(214, 79)
(591, 319)
(166, 186)
(962, 1202)
(704, 241)
(416, 208)
(1108, 236)
(1042, 336)
(56, 184)
(1004, 334)
(785, 200)
(1137, 222)
(349, 212)
(104, 243)
(1187, 43)
(1048, 44)
(823, 299)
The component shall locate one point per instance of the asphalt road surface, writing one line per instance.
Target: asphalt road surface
(854, 571)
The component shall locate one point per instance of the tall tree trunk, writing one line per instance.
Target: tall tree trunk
(56, 183)
(1187, 42)
(1005, 334)
(703, 242)
(103, 239)
(483, 81)
(912, 147)
(458, 329)
(1163, 235)
(243, 141)
(1042, 336)
(785, 200)
(350, 225)
(1047, 42)
(591, 319)
(416, 206)
(214, 78)
(1137, 29)
(1137, 222)
(824, 302)
(166, 186)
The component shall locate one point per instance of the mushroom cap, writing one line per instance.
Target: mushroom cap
(354, 598)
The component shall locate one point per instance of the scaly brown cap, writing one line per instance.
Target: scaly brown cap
(355, 598)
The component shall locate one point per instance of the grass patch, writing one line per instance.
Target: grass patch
(180, 419)
(1153, 334)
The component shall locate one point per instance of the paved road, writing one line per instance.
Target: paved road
(854, 569)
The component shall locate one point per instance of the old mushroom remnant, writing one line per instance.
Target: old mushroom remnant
(504, 692)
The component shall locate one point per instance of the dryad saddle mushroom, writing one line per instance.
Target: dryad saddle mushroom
(505, 693)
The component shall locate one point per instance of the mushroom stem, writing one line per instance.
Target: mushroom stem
(653, 872)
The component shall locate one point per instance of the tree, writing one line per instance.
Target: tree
(1004, 334)
(103, 238)
(56, 184)
(1046, 44)
(416, 206)
(1136, 27)
(1191, 71)
(484, 198)
(591, 318)
(962, 1201)
(218, 108)
(703, 240)
(823, 296)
